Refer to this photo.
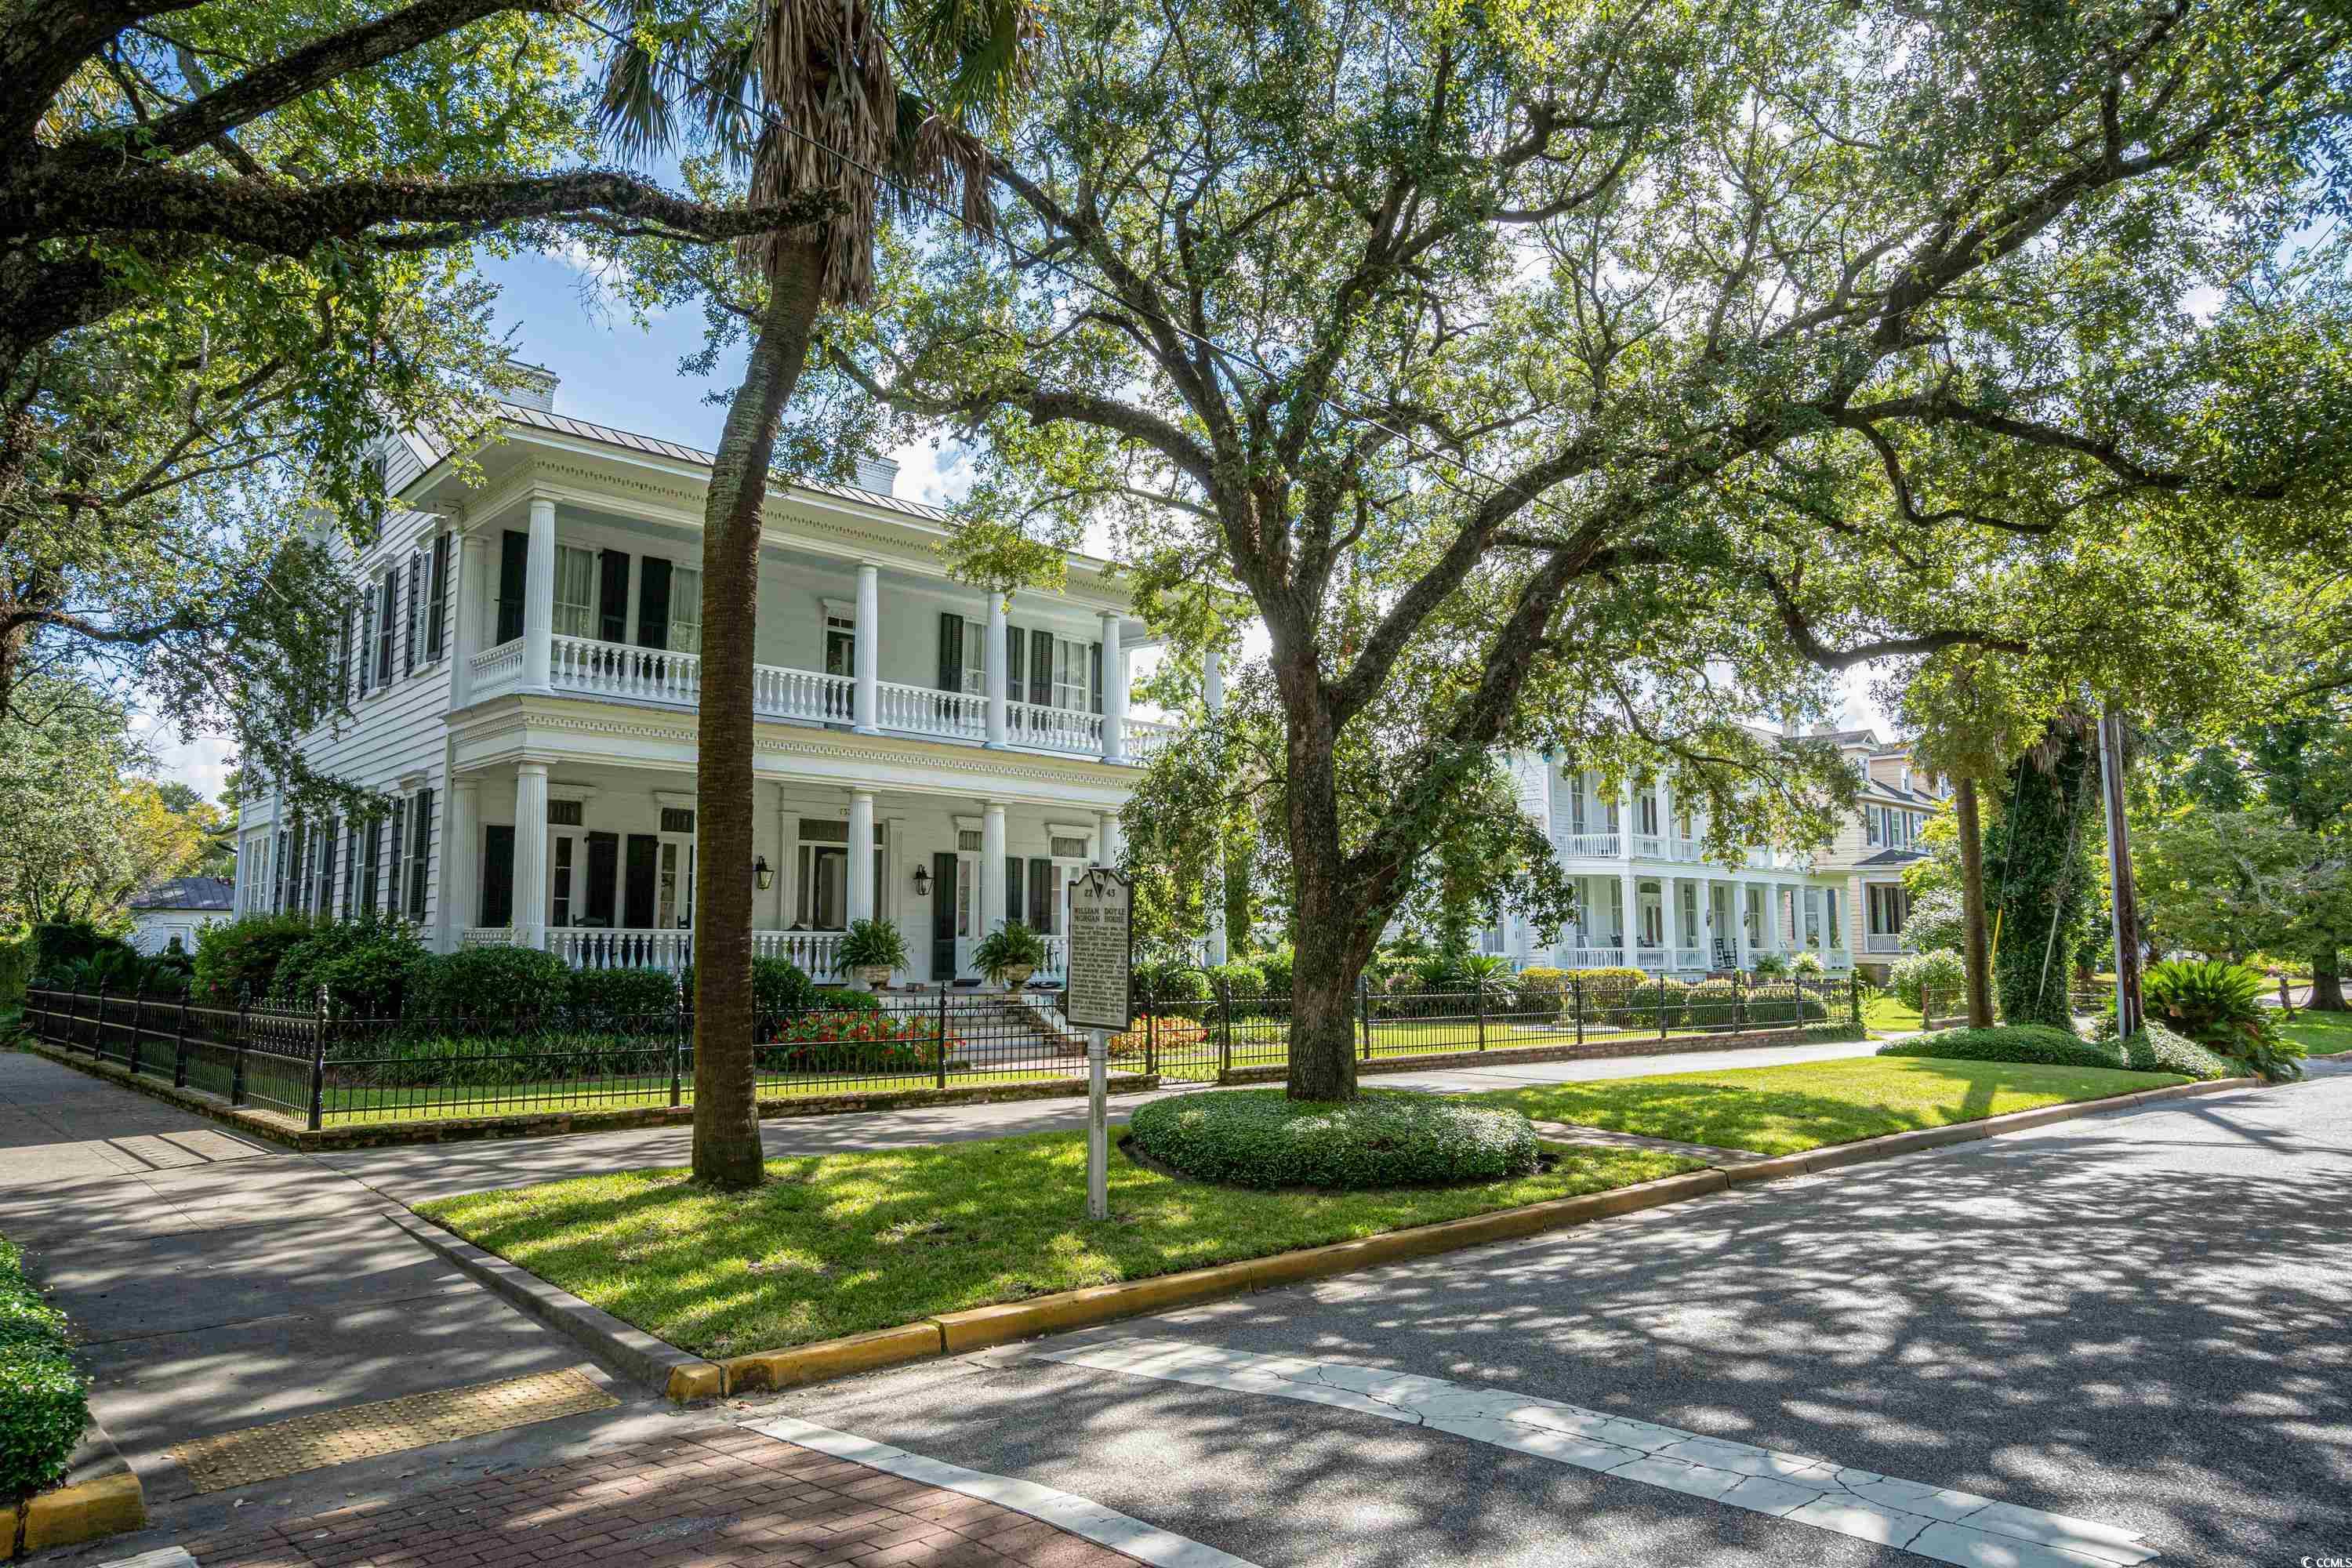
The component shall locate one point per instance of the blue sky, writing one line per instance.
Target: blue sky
(614, 372)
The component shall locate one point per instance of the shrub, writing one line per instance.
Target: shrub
(366, 966)
(43, 1398)
(1937, 923)
(1710, 1005)
(1766, 964)
(15, 969)
(1172, 984)
(1276, 964)
(2155, 1048)
(852, 1040)
(1173, 1033)
(2037, 1043)
(1543, 993)
(838, 1000)
(241, 957)
(1943, 975)
(2207, 1000)
(1770, 1006)
(1808, 967)
(71, 942)
(1647, 1002)
(489, 985)
(620, 994)
(1261, 1138)
(778, 985)
(1241, 986)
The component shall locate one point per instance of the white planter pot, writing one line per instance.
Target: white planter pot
(1017, 976)
(875, 975)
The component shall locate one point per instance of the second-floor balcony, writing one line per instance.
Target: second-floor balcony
(584, 666)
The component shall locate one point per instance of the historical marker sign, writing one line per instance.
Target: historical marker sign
(1101, 949)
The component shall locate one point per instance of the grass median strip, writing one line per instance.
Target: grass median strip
(2322, 1034)
(845, 1244)
(1791, 1109)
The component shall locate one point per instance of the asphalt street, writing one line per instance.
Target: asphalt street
(2136, 1318)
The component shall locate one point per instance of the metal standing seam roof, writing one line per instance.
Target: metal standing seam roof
(564, 425)
(186, 893)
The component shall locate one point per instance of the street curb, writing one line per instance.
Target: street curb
(101, 1496)
(685, 1377)
(284, 1129)
(657, 1364)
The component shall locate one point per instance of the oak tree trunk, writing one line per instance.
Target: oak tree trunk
(1333, 935)
(1972, 904)
(725, 1103)
(2327, 983)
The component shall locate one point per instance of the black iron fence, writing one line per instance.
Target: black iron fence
(323, 1067)
(1228, 1033)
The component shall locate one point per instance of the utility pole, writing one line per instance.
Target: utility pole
(2119, 872)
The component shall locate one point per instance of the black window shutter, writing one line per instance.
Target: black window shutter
(950, 651)
(367, 637)
(1094, 677)
(399, 840)
(653, 603)
(514, 567)
(1016, 661)
(603, 870)
(638, 898)
(612, 595)
(387, 608)
(497, 874)
(439, 611)
(1041, 668)
(1041, 896)
(327, 868)
(416, 607)
(421, 847)
(344, 659)
(1014, 904)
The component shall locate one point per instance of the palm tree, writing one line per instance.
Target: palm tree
(801, 96)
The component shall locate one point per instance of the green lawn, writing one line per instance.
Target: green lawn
(2322, 1034)
(1266, 1043)
(1885, 1014)
(1786, 1109)
(839, 1243)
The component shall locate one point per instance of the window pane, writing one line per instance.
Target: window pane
(686, 612)
(575, 591)
(975, 659)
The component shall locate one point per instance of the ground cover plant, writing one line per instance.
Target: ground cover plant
(1261, 1138)
(2153, 1049)
(1789, 1108)
(839, 1243)
(43, 1397)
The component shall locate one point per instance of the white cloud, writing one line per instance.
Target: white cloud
(202, 763)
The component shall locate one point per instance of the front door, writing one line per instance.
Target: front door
(674, 883)
(943, 918)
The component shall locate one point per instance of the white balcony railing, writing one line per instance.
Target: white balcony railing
(495, 671)
(1650, 957)
(587, 668)
(1602, 845)
(1690, 958)
(1592, 957)
(781, 693)
(1649, 847)
(920, 710)
(1688, 849)
(1053, 728)
(816, 953)
(1145, 739)
(1882, 942)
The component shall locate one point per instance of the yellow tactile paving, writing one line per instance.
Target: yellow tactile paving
(363, 1431)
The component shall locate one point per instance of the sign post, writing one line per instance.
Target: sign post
(1101, 966)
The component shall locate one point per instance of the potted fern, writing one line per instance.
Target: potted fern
(1009, 954)
(871, 950)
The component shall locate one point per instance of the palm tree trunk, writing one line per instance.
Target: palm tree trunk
(1972, 905)
(725, 1103)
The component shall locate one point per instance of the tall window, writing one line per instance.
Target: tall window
(975, 658)
(437, 609)
(1073, 667)
(420, 849)
(387, 597)
(840, 645)
(411, 631)
(575, 592)
(685, 611)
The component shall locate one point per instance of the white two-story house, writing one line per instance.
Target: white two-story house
(523, 681)
(1649, 899)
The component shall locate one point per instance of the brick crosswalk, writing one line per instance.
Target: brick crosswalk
(716, 1499)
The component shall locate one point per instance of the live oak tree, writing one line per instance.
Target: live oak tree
(234, 250)
(1588, 374)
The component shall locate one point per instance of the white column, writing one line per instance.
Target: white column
(1212, 682)
(530, 853)
(1665, 818)
(466, 640)
(1114, 693)
(861, 855)
(461, 859)
(1670, 916)
(996, 672)
(539, 604)
(869, 648)
(992, 870)
(786, 834)
(1629, 890)
(1768, 924)
(1739, 921)
(1792, 938)
(1110, 842)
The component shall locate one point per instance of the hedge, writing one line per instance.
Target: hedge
(2154, 1049)
(1262, 1138)
(43, 1397)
